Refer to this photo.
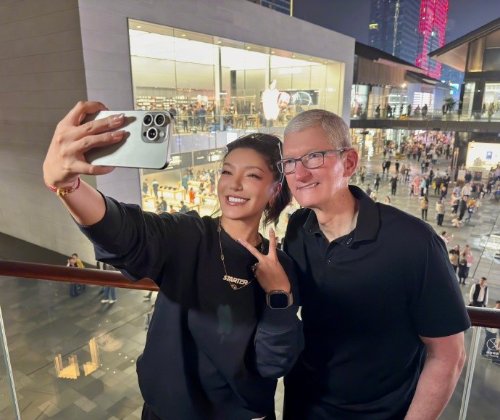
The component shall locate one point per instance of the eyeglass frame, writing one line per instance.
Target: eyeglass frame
(281, 162)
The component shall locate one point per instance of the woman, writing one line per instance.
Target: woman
(440, 209)
(217, 341)
(454, 255)
(424, 207)
(463, 269)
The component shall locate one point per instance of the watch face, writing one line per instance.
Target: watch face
(278, 300)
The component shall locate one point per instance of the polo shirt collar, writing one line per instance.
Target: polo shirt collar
(368, 222)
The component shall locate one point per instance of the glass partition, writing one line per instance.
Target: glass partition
(478, 392)
(9, 408)
(72, 357)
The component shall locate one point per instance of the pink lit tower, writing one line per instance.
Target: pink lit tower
(431, 34)
(409, 29)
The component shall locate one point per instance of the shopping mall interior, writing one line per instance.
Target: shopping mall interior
(69, 350)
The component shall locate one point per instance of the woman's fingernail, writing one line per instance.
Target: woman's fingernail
(117, 134)
(117, 119)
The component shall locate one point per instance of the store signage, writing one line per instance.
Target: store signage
(180, 161)
(202, 157)
(482, 156)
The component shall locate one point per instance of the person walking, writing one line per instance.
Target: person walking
(394, 184)
(390, 357)
(75, 289)
(376, 184)
(155, 185)
(225, 323)
(440, 211)
(463, 269)
(454, 256)
(424, 207)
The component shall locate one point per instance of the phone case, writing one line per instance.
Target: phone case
(147, 144)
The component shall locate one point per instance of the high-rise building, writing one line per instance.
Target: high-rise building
(283, 6)
(409, 29)
(393, 27)
(431, 34)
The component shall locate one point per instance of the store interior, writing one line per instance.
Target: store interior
(217, 89)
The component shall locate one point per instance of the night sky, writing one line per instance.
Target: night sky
(351, 17)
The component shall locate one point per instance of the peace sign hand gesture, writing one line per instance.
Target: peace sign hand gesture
(268, 270)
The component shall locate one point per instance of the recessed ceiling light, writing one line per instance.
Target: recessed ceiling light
(248, 48)
(219, 42)
(272, 52)
(183, 35)
(138, 26)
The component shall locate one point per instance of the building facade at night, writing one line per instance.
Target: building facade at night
(409, 29)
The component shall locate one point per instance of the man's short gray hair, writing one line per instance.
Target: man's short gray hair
(335, 127)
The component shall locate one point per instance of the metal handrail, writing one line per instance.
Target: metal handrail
(480, 317)
(73, 275)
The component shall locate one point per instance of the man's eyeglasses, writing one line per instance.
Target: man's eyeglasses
(311, 160)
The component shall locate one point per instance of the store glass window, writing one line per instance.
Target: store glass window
(491, 100)
(217, 89)
(359, 100)
(468, 100)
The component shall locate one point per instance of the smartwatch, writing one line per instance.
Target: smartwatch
(279, 299)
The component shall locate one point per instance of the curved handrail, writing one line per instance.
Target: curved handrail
(480, 317)
(73, 275)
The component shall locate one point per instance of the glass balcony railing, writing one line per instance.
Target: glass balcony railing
(74, 358)
(399, 113)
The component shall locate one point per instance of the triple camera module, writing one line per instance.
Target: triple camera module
(155, 127)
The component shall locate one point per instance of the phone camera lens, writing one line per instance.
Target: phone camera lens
(160, 120)
(152, 134)
(148, 119)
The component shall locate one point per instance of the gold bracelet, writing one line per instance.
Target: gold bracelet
(63, 191)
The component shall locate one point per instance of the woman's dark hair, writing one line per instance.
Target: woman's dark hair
(269, 147)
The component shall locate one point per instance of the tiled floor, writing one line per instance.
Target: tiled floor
(41, 321)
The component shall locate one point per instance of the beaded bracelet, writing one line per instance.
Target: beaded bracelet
(63, 191)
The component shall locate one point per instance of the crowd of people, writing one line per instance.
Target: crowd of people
(203, 115)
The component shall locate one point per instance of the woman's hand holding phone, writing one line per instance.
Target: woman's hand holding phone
(65, 159)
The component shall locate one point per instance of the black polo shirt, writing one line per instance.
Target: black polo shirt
(366, 298)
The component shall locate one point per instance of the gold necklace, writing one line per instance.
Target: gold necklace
(236, 283)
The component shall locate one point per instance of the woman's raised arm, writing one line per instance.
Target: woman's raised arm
(65, 160)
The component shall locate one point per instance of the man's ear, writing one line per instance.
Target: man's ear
(350, 162)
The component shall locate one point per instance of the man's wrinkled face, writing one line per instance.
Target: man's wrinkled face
(314, 188)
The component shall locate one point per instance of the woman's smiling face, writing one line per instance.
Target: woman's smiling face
(246, 184)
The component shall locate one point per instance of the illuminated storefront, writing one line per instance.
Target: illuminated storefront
(218, 89)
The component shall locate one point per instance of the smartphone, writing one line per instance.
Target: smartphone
(147, 143)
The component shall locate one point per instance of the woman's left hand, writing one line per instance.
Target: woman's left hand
(268, 270)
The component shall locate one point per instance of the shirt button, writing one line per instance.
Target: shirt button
(329, 260)
(349, 241)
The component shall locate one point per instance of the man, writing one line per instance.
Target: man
(383, 316)
(478, 295)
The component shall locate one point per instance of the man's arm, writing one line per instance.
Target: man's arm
(442, 368)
